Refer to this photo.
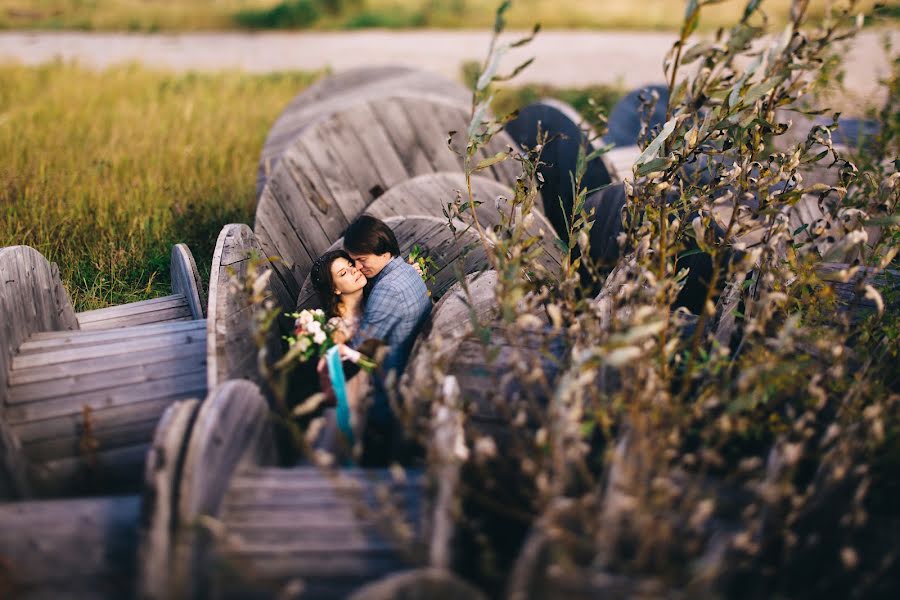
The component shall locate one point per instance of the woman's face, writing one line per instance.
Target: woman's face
(346, 277)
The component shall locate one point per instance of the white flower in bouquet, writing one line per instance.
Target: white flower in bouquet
(304, 319)
(314, 327)
(319, 337)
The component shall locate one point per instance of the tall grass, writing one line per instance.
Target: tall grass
(188, 15)
(103, 172)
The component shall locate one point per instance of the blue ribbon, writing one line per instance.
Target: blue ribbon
(339, 385)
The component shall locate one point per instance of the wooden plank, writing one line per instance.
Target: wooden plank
(136, 344)
(45, 543)
(186, 279)
(161, 477)
(14, 483)
(103, 364)
(173, 387)
(182, 313)
(161, 303)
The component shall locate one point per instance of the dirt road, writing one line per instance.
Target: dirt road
(563, 58)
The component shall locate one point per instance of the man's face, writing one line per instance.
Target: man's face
(370, 264)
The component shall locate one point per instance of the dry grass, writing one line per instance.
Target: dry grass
(188, 15)
(104, 171)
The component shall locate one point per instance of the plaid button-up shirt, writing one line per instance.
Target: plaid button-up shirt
(396, 309)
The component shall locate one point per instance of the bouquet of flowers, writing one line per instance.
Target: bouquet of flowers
(314, 335)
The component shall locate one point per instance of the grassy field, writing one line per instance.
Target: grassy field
(190, 15)
(104, 172)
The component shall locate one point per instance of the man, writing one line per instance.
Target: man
(397, 306)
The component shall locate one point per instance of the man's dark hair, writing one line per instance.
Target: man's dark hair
(368, 235)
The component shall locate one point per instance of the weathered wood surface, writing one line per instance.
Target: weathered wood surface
(440, 244)
(433, 584)
(338, 166)
(70, 549)
(160, 496)
(186, 279)
(83, 404)
(185, 302)
(231, 349)
(450, 322)
(32, 299)
(429, 195)
(332, 531)
(232, 429)
(343, 90)
(567, 133)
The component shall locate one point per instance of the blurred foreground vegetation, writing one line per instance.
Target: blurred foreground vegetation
(104, 171)
(190, 15)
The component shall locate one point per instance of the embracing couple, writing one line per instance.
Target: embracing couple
(379, 296)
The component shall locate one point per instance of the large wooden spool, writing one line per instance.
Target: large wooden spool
(230, 345)
(567, 133)
(341, 91)
(220, 521)
(336, 167)
(80, 406)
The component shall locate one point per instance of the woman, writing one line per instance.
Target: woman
(340, 286)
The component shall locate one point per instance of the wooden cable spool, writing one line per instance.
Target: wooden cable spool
(79, 407)
(344, 89)
(220, 521)
(336, 167)
(230, 346)
(567, 133)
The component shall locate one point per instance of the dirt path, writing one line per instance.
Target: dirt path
(574, 58)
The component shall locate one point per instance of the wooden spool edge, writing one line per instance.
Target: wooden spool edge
(56, 315)
(159, 504)
(186, 279)
(232, 430)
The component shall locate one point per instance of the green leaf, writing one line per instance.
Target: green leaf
(491, 160)
(691, 19)
(654, 146)
(499, 21)
(759, 90)
(657, 164)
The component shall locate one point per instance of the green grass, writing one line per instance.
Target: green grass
(190, 15)
(103, 172)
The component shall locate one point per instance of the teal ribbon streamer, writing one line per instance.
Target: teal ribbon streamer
(339, 385)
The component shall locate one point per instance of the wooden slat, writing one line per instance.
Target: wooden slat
(119, 310)
(181, 313)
